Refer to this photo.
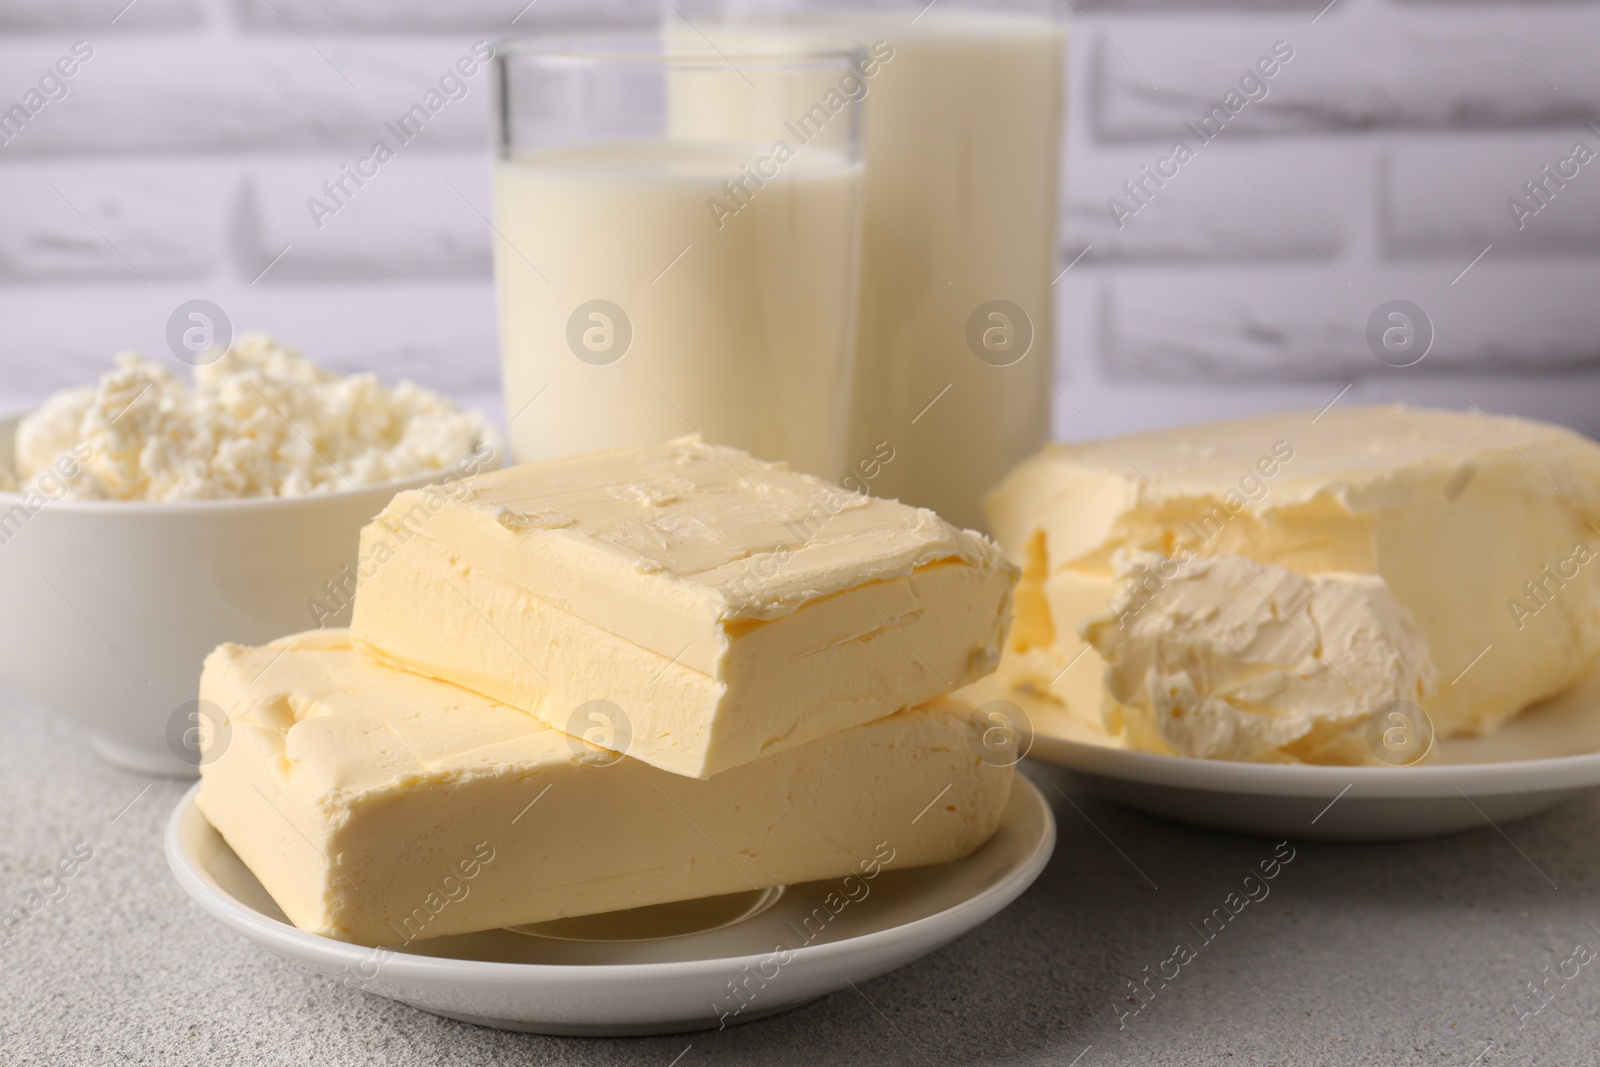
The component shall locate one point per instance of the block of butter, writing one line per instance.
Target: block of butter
(381, 807)
(1482, 528)
(713, 607)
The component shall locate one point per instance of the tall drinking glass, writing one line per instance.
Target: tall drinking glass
(673, 254)
(955, 349)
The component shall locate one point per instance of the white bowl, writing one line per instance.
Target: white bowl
(110, 606)
(608, 976)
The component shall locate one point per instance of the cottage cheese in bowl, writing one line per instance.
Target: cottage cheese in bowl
(260, 420)
(151, 518)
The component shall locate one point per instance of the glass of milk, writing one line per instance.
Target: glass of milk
(955, 348)
(678, 229)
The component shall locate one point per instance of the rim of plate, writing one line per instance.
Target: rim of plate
(1281, 779)
(252, 924)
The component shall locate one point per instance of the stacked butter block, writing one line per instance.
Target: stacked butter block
(612, 681)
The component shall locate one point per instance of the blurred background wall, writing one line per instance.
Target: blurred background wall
(176, 163)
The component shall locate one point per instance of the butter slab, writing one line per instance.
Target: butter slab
(723, 607)
(1483, 529)
(380, 807)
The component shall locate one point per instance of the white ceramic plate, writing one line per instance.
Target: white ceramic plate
(653, 970)
(1548, 754)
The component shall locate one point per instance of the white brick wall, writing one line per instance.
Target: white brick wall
(1377, 166)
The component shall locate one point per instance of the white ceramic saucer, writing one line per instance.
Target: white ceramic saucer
(668, 969)
(1548, 754)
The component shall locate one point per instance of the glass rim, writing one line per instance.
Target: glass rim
(643, 48)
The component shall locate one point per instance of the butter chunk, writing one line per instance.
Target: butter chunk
(380, 807)
(1483, 529)
(1232, 659)
(723, 608)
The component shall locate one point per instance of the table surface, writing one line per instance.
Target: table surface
(1408, 953)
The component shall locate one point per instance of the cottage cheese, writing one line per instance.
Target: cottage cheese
(259, 421)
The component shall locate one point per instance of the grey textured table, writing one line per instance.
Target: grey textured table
(1413, 953)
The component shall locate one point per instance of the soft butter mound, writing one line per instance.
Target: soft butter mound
(1228, 658)
(261, 420)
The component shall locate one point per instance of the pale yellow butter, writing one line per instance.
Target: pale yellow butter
(381, 807)
(1483, 530)
(721, 607)
(1232, 659)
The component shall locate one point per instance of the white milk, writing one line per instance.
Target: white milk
(963, 145)
(741, 320)
(963, 136)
